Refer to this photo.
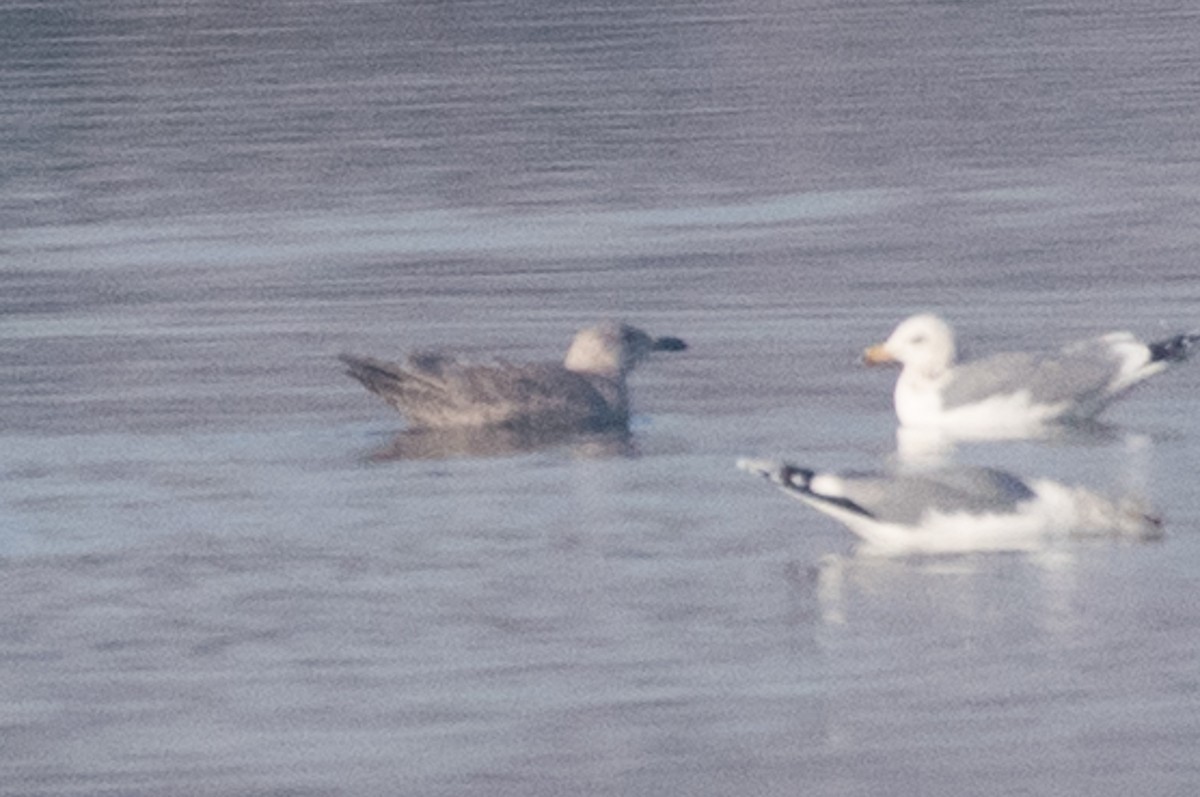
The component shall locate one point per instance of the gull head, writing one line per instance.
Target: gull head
(924, 343)
(612, 349)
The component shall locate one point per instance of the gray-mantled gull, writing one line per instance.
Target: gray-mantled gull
(586, 391)
(955, 510)
(1014, 393)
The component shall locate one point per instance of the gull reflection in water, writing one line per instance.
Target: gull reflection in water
(488, 442)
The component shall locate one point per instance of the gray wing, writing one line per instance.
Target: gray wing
(905, 498)
(438, 391)
(536, 395)
(1078, 375)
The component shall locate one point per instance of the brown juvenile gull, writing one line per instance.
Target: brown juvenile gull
(586, 391)
(1016, 392)
(957, 509)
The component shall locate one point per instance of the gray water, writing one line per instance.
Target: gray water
(225, 570)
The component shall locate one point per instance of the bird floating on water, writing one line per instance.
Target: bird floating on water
(1015, 393)
(957, 509)
(586, 391)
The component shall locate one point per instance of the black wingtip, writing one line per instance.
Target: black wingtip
(800, 479)
(352, 361)
(1174, 349)
(367, 370)
(796, 477)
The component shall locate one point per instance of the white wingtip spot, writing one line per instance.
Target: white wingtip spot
(828, 485)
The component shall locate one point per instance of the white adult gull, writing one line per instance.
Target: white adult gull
(956, 510)
(586, 391)
(1015, 392)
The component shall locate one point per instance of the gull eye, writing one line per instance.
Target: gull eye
(917, 339)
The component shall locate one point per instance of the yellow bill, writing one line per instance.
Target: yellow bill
(877, 355)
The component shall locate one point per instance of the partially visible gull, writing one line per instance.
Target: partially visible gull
(1015, 393)
(587, 391)
(956, 510)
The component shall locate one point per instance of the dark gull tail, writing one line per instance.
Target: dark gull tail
(393, 382)
(798, 481)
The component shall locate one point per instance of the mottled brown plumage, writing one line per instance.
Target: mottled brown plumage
(586, 391)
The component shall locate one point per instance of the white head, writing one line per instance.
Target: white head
(923, 343)
(612, 349)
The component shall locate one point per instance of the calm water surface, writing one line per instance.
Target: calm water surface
(224, 571)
